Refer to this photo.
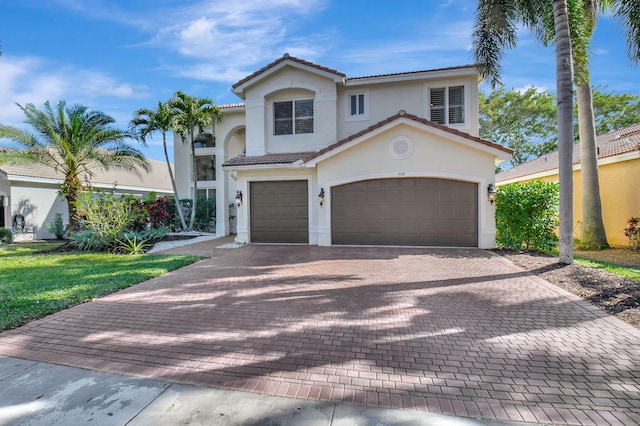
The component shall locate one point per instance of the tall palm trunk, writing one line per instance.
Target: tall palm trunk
(173, 183)
(564, 88)
(195, 182)
(592, 235)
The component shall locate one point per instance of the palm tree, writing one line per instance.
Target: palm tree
(193, 114)
(74, 141)
(495, 29)
(147, 121)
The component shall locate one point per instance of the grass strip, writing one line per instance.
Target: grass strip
(35, 285)
(622, 271)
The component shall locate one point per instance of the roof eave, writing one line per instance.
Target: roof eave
(465, 71)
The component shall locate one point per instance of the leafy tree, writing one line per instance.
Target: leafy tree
(192, 116)
(74, 141)
(163, 119)
(523, 121)
(614, 111)
(527, 215)
(495, 30)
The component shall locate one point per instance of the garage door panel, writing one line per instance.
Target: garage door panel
(279, 212)
(405, 211)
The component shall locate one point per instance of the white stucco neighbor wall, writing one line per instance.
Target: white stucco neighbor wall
(433, 156)
(39, 205)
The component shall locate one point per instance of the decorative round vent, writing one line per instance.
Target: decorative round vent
(401, 147)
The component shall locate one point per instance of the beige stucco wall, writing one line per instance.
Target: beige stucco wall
(385, 100)
(290, 83)
(433, 156)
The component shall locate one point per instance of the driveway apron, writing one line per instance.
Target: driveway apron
(447, 331)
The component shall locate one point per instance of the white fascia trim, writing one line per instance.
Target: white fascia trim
(49, 181)
(240, 89)
(459, 72)
(459, 139)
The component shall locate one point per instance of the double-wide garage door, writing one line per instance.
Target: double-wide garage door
(405, 211)
(279, 212)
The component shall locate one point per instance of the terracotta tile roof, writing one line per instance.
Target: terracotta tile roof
(226, 106)
(418, 120)
(288, 158)
(279, 158)
(413, 72)
(286, 57)
(157, 178)
(609, 144)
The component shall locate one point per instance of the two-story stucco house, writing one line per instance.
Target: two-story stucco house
(313, 156)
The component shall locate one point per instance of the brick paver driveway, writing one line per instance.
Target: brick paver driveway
(447, 331)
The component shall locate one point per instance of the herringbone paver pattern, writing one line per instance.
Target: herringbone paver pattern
(458, 332)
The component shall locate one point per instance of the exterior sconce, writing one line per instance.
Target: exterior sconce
(238, 198)
(491, 193)
(321, 196)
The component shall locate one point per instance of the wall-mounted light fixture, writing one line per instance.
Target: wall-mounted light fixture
(491, 193)
(238, 198)
(321, 196)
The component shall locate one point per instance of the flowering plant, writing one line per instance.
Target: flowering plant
(633, 232)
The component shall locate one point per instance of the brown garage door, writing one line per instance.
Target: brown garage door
(279, 212)
(405, 211)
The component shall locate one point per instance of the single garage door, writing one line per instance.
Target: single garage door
(279, 212)
(405, 211)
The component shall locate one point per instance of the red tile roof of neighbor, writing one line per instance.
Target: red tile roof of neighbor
(617, 142)
(288, 158)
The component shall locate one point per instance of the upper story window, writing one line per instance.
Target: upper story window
(293, 117)
(446, 105)
(206, 167)
(357, 106)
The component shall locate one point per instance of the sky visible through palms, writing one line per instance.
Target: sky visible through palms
(117, 56)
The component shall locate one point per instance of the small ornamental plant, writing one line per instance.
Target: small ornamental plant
(633, 232)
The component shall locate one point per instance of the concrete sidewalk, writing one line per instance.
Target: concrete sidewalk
(37, 393)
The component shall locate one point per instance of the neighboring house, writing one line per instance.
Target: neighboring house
(315, 157)
(619, 175)
(34, 192)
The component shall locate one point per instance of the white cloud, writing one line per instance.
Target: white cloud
(218, 40)
(34, 80)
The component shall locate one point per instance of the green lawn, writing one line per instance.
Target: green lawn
(35, 285)
(623, 271)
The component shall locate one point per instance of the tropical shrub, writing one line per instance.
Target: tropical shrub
(88, 239)
(205, 215)
(132, 245)
(158, 211)
(106, 216)
(527, 215)
(6, 236)
(633, 232)
(57, 227)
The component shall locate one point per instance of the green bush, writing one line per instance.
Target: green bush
(527, 215)
(106, 216)
(57, 227)
(6, 236)
(88, 239)
(205, 215)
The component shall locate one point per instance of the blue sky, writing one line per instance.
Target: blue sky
(117, 56)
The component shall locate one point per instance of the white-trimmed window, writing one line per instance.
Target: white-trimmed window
(205, 167)
(447, 104)
(293, 117)
(357, 106)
